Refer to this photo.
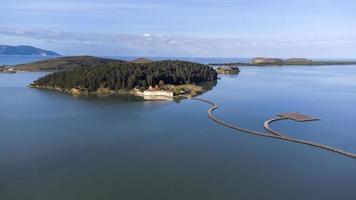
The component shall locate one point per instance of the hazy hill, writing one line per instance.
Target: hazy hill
(25, 50)
(142, 60)
(64, 63)
(298, 61)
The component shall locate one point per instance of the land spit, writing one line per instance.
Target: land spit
(271, 133)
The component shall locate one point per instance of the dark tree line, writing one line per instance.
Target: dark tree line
(115, 76)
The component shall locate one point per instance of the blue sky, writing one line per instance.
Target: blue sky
(206, 28)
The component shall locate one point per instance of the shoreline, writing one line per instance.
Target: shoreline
(263, 66)
(132, 92)
(277, 62)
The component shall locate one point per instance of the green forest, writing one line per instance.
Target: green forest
(118, 76)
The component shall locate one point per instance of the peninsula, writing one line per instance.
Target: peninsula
(66, 63)
(6, 69)
(260, 61)
(169, 77)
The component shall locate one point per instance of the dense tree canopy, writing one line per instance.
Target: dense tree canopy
(116, 76)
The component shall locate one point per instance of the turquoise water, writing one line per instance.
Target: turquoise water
(55, 146)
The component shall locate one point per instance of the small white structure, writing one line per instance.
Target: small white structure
(157, 92)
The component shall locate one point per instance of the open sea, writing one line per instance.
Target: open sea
(54, 146)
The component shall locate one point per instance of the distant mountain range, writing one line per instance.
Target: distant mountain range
(25, 50)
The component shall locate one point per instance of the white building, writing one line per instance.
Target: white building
(158, 93)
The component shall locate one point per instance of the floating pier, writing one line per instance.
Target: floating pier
(298, 117)
(274, 134)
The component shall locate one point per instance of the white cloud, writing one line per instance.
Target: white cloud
(163, 45)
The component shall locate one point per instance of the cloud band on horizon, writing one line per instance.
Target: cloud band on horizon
(162, 45)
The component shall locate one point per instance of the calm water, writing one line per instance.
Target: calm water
(14, 59)
(54, 146)
(20, 59)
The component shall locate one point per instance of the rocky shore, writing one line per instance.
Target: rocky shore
(228, 70)
(6, 69)
(83, 91)
(176, 90)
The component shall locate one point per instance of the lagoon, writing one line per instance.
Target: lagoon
(55, 146)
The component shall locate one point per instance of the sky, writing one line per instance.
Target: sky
(183, 28)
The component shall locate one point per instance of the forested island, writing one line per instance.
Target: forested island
(129, 77)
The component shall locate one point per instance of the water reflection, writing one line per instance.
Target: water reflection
(55, 146)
